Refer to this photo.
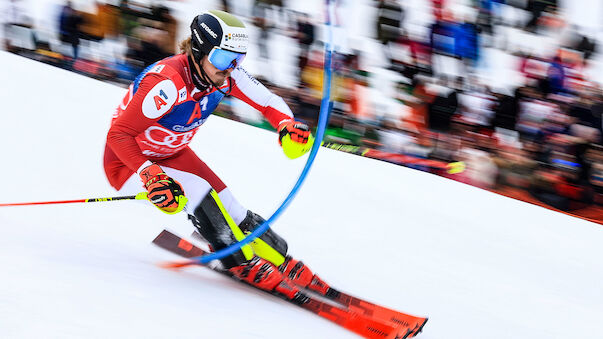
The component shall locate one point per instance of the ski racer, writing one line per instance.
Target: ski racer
(156, 120)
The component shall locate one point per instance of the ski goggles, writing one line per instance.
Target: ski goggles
(223, 59)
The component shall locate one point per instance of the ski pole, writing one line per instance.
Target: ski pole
(139, 196)
(400, 159)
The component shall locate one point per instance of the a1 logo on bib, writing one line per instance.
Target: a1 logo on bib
(159, 99)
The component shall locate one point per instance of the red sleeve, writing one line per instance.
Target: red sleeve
(133, 121)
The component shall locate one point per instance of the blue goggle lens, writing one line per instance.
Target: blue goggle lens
(223, 60)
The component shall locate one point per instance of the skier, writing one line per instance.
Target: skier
(156, 120)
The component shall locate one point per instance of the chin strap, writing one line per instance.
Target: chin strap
(198, 80)
(202, 81)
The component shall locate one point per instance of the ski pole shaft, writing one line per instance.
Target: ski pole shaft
(139, 196)
(401, 159)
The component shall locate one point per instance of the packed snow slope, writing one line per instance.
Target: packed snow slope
(478, 264)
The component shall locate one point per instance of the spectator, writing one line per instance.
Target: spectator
(69, 27)
(477, 108)
(389, 19)
(484, 18)
(94, 25)
(150, 42)
(442, 41)
(307, 105)
(437, 7)
(446, 148)
(166, 23)
(594, 157)
(392, 139)
(505, 112)
(481, 170)
(467, 45)
(515, 167)
(533, 112)
(443, 107)
(556, 76)
(536, 8)
(559, 184)
(585, 111)
(17, 27)
(411, 57)
(305, 37)
(261, 21)
(128, 16)
(587, 46)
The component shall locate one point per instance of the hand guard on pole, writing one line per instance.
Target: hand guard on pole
(295, 138)
(165, 192)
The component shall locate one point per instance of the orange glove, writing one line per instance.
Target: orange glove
(295, 138)
(164, 191)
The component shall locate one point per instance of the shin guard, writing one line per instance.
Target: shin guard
(215, 225)
(219, 229)
(269, 245)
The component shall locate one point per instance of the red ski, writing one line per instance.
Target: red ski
(369, 309)
(358, 323)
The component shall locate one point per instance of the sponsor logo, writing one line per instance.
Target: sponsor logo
(155, 154)
(157, 69)
(159, 99)
(208, 30)
(235, 36)
(198, 38)
(180, 128)
(159, 102)
(163, 137)
(196, 114)
(182, 94)
(255, 82)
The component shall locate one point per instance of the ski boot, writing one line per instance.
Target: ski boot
(262, 274)
(302, 276)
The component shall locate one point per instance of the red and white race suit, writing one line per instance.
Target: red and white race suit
(160, 114)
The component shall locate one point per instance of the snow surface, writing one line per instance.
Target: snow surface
(478, 264)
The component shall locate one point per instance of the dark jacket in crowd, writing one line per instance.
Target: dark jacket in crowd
(583, 112)
(441, 110)
(389, 18)
(69, 25)
(505, 113)
(306, 30)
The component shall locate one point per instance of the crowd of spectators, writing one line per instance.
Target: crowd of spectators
(541, 137)
(142, 34)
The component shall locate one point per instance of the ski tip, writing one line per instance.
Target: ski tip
(409, 333)
(174, 265)
(419, 327)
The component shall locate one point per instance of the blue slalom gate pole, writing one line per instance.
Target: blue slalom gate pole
(325, 106)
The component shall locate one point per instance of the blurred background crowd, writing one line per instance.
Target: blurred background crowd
(510, 87)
